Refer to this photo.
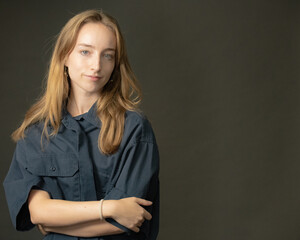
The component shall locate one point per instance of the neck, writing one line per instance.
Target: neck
(78, 105)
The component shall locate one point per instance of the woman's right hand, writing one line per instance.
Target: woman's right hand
(127, 211)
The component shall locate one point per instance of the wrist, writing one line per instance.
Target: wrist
(108, 208)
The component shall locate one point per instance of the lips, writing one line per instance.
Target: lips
(93, 77)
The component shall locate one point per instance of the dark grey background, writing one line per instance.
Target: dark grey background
(221, 88)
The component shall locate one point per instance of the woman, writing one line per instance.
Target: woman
(86, 160)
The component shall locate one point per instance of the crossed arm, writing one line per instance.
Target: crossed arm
(82, 219)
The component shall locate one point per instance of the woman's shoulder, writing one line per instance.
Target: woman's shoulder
(138, 126)
(33, 137)
(29, 142)
(34, 131)
(137, 117)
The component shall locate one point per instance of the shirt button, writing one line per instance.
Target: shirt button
(53, 168)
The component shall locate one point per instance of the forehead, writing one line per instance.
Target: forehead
(96, 34)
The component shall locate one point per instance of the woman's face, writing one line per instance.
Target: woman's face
(92, 60)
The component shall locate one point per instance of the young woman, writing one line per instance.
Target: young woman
(86, 161)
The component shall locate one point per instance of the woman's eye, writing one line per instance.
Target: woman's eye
(108, 56)
(84, 52)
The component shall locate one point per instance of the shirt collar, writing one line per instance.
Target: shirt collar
(91, 116)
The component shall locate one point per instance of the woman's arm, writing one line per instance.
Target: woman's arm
(87, 229)
(68, 216)
(54, 212)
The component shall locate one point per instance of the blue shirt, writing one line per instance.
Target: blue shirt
(71, 167)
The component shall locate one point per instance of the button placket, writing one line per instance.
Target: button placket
(87, 185)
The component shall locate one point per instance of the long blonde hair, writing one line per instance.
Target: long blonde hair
(119, 95)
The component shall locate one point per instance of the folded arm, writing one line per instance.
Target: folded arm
(87, 229)
(83, 218)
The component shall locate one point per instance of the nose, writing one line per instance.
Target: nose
(96, 64)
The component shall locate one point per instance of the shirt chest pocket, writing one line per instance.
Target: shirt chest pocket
(53, 165)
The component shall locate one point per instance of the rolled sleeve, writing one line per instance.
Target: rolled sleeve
(139, 178)
(17, 185)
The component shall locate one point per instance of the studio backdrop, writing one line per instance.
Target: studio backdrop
(221, 86)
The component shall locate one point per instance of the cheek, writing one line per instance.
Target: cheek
(109, 68)
(75, 65)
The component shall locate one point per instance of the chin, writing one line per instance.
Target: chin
(94, 91)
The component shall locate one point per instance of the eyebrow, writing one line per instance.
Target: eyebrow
(91, 46)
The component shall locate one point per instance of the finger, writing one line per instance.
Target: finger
(147, 215)
(42, 230)
(140, 224)
(143, 202)
(135, 229)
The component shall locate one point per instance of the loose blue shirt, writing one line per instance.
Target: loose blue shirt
(70, 167)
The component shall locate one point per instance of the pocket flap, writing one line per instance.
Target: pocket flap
(53, 165)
